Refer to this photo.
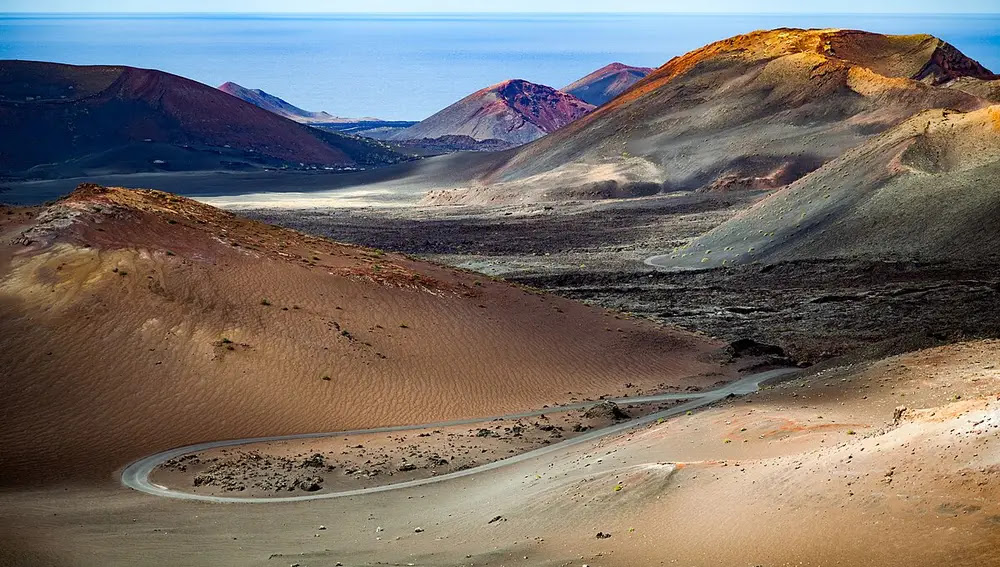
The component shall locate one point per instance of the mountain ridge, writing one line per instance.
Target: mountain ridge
(281, 107)
(757, 110)
(606, 83)
(513, 111)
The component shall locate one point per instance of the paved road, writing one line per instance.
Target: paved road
(136, 475)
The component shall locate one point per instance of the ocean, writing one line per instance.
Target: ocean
(406, 67)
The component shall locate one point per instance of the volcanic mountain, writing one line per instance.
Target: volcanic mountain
(103, 119)
(606, 83)
(281, 107)
(133, 321)
(514, 111)
(754, 111)
(927, 190)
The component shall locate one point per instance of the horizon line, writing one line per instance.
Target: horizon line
(483, 13)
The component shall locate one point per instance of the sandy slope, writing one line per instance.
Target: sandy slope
(815, 472)
(139, 321)
(927, 189)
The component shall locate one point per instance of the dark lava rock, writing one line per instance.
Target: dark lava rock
(606, 410)
(311, 484)
(314, 460)
(749, 347)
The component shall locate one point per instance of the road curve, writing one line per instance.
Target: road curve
(136, 475)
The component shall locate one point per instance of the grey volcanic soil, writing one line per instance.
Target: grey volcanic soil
(593, 251)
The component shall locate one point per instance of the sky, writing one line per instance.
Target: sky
(411, 6)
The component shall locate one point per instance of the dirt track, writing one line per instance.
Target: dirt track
(136, 475)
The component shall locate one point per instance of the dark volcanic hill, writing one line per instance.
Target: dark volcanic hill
(104, 119)
(755, 111)
(606, 83)
(514, 111)
(282, 107)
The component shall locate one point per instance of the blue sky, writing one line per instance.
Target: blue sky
(701, 6)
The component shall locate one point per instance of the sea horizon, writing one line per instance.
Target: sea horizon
(393, 66)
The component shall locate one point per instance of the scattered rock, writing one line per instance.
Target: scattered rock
(897, 414)
(606, 410)
(602, 535)
(314, 460)
(310, 484)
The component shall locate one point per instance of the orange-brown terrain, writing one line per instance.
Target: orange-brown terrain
(884, 463)
(136, 321)
(337, 463)
(831, 197)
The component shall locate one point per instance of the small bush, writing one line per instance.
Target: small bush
(265, 301)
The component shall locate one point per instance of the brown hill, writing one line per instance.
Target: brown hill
(928, 189)
(754, 111)
(100, 119)
(606, 83)
(134, 321)
(514, 111)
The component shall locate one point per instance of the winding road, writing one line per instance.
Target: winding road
(136, 475)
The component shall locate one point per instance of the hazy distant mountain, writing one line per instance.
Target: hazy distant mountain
(606, 83)
(281, 107)
(514, 111)
(113, 119)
